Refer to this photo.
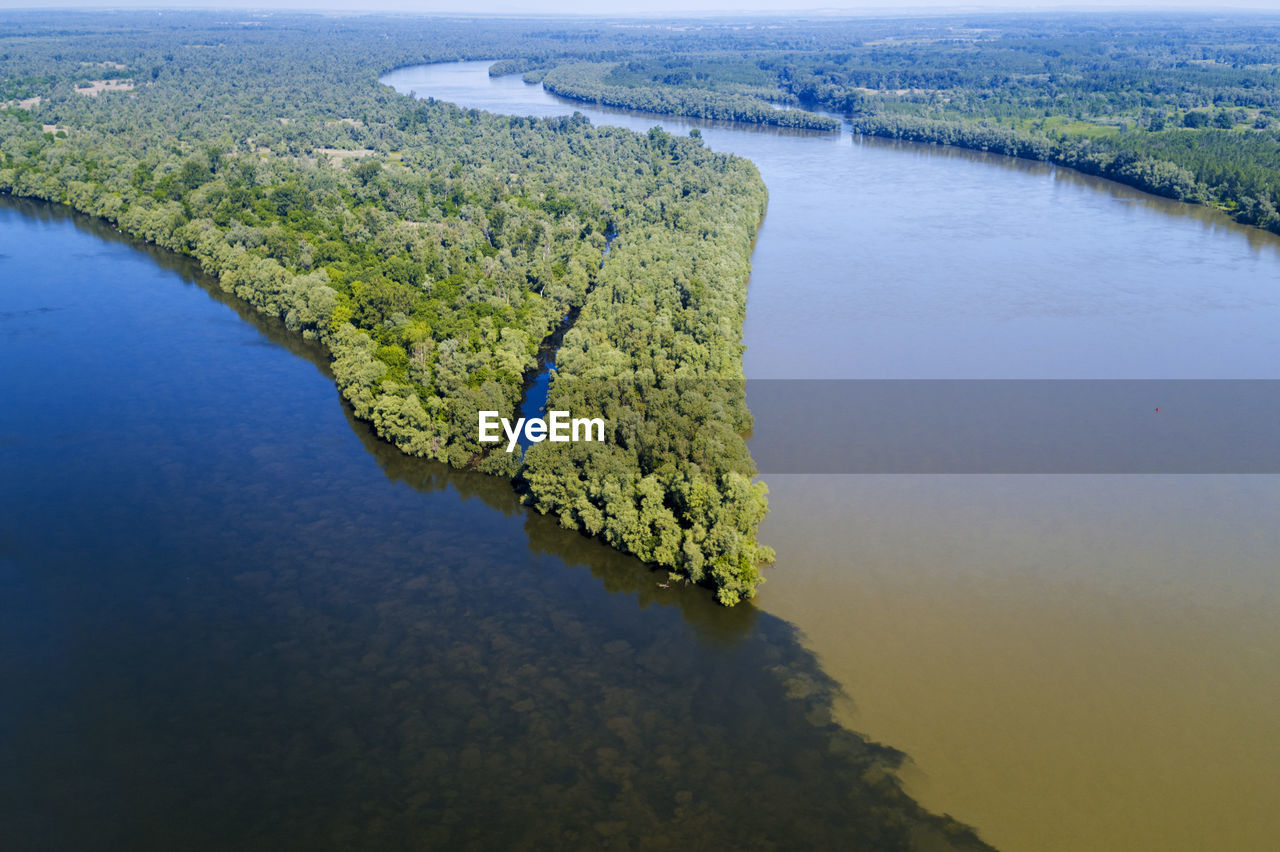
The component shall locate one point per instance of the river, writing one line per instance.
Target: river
(1070, 662)
(231, 617)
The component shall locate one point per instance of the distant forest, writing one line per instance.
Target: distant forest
(1185, 106)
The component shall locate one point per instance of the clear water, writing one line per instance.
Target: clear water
(231, 618)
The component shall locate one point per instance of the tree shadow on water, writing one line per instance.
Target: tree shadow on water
(347, 664)
(751, 738)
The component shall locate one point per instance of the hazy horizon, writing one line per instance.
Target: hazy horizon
(664, 8)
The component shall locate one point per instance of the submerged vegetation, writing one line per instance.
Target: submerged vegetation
(430, 248)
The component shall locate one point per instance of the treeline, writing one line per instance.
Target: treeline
(503, 67)
(430, 248)
(1101, 157)
(1171, 105)
(584, 81)
(1238, 173)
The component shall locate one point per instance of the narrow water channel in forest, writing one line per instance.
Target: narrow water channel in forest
(538, 383)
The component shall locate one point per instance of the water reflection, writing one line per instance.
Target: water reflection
(1213, 220)
(230, 616)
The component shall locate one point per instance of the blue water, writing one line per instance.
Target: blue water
(534, 403)
(232, 618)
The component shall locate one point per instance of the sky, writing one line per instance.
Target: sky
(661, 7)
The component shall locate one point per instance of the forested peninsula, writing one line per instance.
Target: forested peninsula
(433, 249)
(430, 248)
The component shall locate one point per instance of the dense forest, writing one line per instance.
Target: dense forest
(597, 83)
(433, 249)
(430, 248)
(1186, 106)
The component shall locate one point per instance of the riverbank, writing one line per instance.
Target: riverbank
(1088, 156)
(584, 82)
